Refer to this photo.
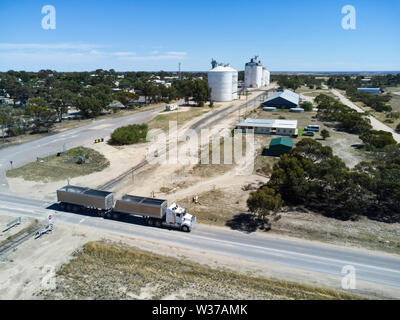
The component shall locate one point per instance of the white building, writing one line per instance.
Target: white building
(255, 75)
(223, 81)
(270, 126)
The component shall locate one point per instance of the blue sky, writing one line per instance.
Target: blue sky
(146, 35)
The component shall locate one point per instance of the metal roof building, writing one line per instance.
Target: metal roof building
(285, 99)
(369, 90)
(279, 146)
(270, 126)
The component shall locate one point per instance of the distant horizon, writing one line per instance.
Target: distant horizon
(288, 35)
(205, 71)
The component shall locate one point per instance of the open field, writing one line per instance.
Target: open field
(65, 166)
(107, 271)
(313, 92)
(181, 115)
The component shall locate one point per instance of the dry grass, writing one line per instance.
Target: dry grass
(106, 271)
(33, 226)
(314, 92)
(55, 168)
(182, 115)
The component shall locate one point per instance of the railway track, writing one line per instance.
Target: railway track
(7, 247)
(196, 126)
(112, 183)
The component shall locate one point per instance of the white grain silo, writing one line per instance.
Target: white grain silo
(235, 81)
(266, 77)
(253, 73)
(223, 81)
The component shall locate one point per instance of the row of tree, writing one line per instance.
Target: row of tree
(378, 102)
(311, 176)
(45, 96)
(296, 81)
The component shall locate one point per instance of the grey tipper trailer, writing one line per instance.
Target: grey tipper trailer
(73, 197)
(142, 206)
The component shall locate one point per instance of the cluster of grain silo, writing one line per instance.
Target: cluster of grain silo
(266, 77)
(255, 75)
(223, 81)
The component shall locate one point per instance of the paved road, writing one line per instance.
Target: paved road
(382, 269)
(28, 152)
(376, 124)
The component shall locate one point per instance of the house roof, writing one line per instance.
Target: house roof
(285, 94)
(268, 123)
(281, 141)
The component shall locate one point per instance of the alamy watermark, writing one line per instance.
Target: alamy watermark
(349, 277)
(193, 147)
(49, 20)
(349, 20)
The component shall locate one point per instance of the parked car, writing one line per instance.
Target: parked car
(308, 134)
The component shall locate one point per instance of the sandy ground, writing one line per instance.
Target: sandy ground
(24, 269)
(28, 270)
(121, 160)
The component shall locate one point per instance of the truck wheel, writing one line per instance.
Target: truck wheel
(150, 222)
(158, 224)
(185, 229)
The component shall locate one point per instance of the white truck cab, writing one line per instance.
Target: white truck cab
(177, 216)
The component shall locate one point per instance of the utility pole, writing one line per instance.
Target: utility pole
(180, 78)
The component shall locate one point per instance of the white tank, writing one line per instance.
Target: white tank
(253, 73)
(223, 82)
(267, 75)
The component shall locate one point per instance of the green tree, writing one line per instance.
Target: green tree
(325, 134)
(129, 134)
(266, 204)
(374, 139)
(42, 116)
(307, 106)
(59, 100)
(125, 97)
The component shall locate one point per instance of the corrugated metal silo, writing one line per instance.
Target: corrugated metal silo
(220, 82)
(253, 73)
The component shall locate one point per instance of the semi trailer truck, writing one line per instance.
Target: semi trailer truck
(156, 212)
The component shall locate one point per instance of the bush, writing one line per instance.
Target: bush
(374, 139)
(307, 106)
(131, 134)
(325, 134)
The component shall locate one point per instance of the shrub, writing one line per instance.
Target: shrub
(307, 106)
(374, 139)
(131, 134)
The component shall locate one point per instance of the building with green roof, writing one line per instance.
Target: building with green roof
(279, 146)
